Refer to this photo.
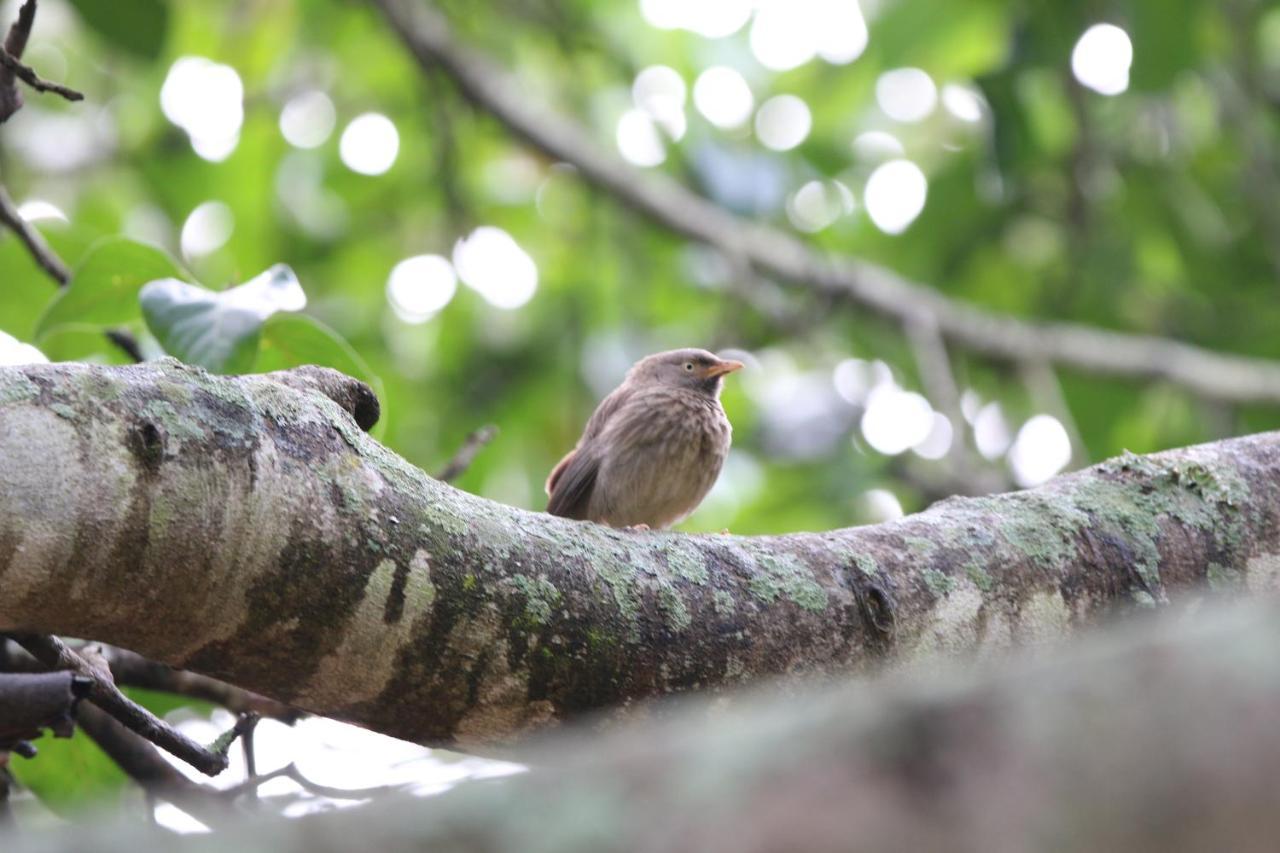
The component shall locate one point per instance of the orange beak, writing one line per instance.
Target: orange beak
(724, 367)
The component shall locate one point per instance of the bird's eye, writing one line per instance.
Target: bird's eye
(688, 365)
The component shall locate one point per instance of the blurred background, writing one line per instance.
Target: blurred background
(1111, 164)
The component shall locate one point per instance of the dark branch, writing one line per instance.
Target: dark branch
(27, 75)
(56, 654)
(32, 702)
(461, 461)
(35, 243)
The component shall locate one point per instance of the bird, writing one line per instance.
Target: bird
(652, 449)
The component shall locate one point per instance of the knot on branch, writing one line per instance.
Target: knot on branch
(355, 397)
(877, 608)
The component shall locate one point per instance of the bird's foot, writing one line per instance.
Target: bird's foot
(636, 527)
(724, 531)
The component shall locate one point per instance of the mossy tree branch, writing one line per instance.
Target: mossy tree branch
(248, 529)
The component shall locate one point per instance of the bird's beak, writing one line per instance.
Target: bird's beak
(724, 367)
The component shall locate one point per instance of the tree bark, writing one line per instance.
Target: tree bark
(1156, 740)
(247, 529)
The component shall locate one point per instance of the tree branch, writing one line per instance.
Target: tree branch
(102, 692)
(35, 243)
(461, 461)
(15, 43)
(32, 702)
(243, 528)
(674, 207)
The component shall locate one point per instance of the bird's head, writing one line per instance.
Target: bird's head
(693, 369)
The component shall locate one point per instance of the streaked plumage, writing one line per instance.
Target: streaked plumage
(652, 449)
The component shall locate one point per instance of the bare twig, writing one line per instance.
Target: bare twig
(1046, 393)
(35, 243)
(291, 771)
(142, 763)
(461, 461)
(27, 75)
(49, 261)
(11, 69)
(940, 384)
(56, 654)
(673, 206)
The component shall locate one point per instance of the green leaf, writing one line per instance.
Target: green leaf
(103, 290)
(290, 340)
(218, 330)
(69, 773)
(138, 27)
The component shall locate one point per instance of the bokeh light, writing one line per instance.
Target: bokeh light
(877, 146)
(709, 18)
(35, 209)
(906, 94)
(962, 102)
(817, 204)
(937, 443)
(308, 119)
(369, 144)
(1102, 58)
(14, 352)
(783, 122)
(881, 505)
(991, 431)
(206, 99)
(1040, 451)
(896, 420)
(895, 195)
(420, 286)
(723, 97)
(206, 229)
(788, 33)
(491, 262)
(660, 91)
(638, 139)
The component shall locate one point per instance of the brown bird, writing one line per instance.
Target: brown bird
(652, 449)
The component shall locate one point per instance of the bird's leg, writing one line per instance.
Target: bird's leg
(636, 527)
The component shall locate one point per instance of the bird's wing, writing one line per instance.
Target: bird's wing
(571, 482)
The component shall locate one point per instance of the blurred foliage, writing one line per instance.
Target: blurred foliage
(1152, 211)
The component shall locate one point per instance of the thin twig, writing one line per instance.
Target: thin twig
(144, 764)
(27, 75)
(291, 771)
(55, 654)
(878, 289)
(461, 461)
(35, 243)
(939, 383)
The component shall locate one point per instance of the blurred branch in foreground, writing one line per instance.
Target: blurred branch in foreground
(1206, 373)
(1157, 737)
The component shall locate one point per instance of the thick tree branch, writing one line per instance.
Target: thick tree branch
(32, 702)
(246, 529)
(1208, 374)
